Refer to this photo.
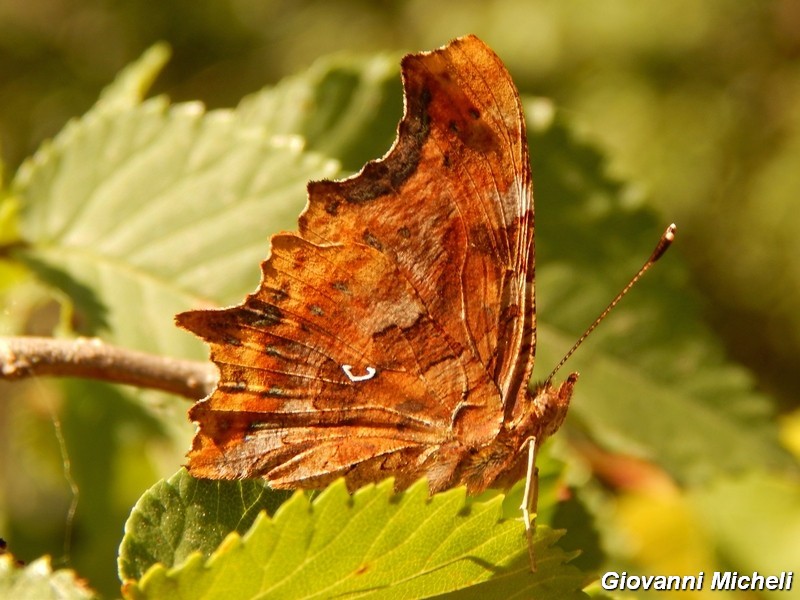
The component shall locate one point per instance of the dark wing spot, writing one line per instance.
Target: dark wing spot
(253, 426)
(404, 232)
(229, 340)
(332, 207)
(260, 314)
(274, 392)
(316, 310)
(474, 113)
(233, 386)
(371, 240)
(298, 260)
(341, 286)
(379, 334)
(277, 295)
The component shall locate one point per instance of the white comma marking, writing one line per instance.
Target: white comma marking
(348, 370)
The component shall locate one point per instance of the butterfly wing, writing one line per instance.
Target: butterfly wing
(450, 204)
(333, 362)
(389, 330)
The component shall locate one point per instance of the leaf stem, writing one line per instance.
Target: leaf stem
(90, 358)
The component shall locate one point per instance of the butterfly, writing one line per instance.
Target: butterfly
(394, 333)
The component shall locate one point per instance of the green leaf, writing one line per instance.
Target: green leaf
(141, 213)
(96, 416)
(654, 380)
(183, 515)
(38, 581)
(344, 107)
(135, 212)
(132, 83)
(373, 544)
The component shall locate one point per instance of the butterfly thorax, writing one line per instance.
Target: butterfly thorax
(544, 410)
(502, 462)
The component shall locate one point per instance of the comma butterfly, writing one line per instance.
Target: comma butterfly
(394, 333)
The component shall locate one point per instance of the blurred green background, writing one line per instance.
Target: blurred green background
(695, 103)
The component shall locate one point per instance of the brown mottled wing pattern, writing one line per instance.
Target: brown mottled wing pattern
(399, 319)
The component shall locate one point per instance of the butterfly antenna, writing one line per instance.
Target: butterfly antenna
(666, 240)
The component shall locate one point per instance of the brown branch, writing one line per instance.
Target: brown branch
(90, 358)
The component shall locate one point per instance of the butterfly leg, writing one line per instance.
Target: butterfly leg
(530, 499)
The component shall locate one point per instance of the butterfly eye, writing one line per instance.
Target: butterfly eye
(348, 370)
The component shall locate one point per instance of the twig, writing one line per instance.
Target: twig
(90, 358)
